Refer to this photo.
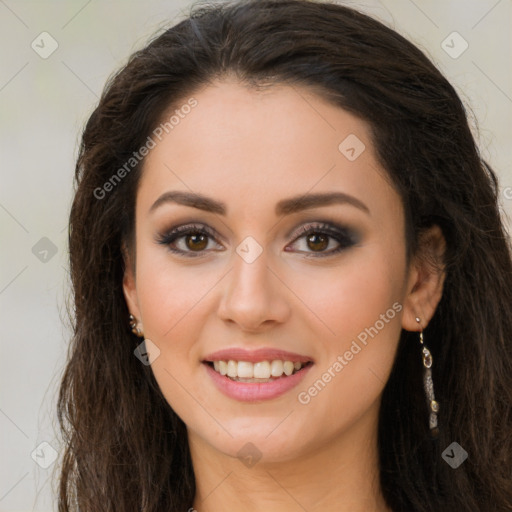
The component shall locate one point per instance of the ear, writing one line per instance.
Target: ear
(129, 286)
(425, 281)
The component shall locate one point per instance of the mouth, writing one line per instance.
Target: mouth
(258, 375)
(259, 371)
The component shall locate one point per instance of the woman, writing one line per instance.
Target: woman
(292, 285)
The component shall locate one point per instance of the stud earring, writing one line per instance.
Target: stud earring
(428, 385)
(135, 328)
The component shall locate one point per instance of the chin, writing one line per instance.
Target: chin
(261, 441)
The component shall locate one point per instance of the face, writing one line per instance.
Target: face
(266, 268)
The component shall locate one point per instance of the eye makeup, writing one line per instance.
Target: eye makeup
(344, 236)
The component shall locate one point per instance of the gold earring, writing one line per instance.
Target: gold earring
(428, 385)
(135, 328)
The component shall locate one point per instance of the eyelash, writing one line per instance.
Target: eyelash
(344, 236)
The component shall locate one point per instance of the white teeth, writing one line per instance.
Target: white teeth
(245, 370)
(276, 369)
(232, 369)
(260, 370)
(288, 367)
(223, 367)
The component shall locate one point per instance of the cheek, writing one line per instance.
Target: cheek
(350, 295)
(359, 305)
(168, 288)
(175, 301)
(174, 305)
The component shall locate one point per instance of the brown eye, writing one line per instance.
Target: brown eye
(318, 242)
(189, 240)
(316, 239)
(196, 242)
(192, 240)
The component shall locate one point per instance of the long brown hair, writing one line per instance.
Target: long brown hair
(125, 448)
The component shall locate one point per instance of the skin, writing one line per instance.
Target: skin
(250, 149)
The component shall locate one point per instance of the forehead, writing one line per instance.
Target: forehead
(250, 148)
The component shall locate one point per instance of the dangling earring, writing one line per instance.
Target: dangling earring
(428, 385)
(134, 327)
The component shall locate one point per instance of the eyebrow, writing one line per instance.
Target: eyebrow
(283, 207)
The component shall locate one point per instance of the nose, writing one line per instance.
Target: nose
(254, 296)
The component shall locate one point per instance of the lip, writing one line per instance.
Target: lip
(253, 356)
(255, 391)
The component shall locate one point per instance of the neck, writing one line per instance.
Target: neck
(340, 475)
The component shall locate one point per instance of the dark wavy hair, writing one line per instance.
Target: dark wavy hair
(125, 448)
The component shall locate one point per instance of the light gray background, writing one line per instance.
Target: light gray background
(43, 106)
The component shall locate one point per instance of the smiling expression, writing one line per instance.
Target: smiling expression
(287, 245)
